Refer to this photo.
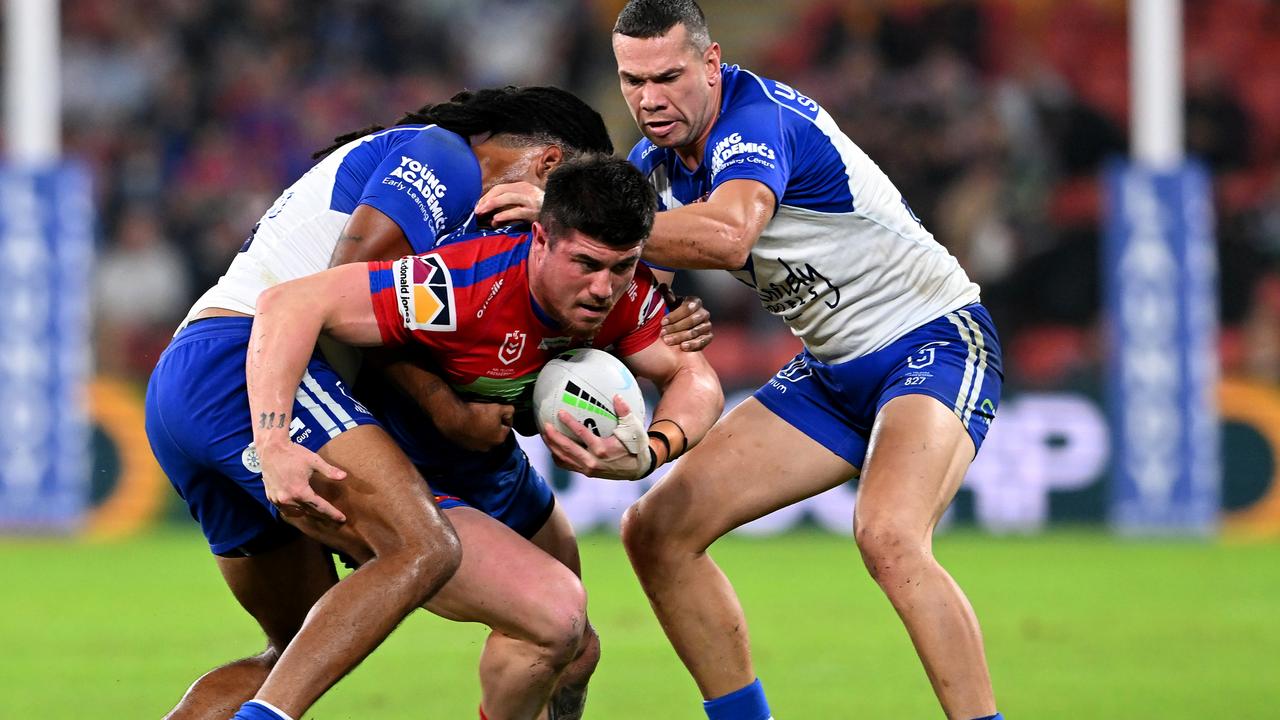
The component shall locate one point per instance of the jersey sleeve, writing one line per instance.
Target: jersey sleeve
(642, 313)
(412, 298)
(382, 291)
(750, 143)
(428, 186)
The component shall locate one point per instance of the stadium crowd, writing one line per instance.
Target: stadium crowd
(994, 117)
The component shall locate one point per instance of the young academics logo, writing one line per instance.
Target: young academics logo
(512, 347)
(726, 152)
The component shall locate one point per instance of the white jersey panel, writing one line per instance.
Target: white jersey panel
(295, 238)
(848, 284)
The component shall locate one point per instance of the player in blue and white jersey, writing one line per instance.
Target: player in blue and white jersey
(381, 193)
(898, 381)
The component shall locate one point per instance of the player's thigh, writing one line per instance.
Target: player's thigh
(505, 581)
(557, 538)
(387, 503)
(917, 458)
(279, 586)
(751, 463)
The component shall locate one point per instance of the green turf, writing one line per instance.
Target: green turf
(1077, 625)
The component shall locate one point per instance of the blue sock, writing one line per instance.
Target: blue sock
(258, 710)
(747, 703)
(997, 716)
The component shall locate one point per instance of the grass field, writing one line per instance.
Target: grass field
(1077, 625)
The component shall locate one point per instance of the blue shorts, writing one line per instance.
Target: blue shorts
(955, 359)
(200, 430)
(502, 483)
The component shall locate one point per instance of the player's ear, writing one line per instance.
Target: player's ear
(549, 159)
(712, 59)
(539, 233)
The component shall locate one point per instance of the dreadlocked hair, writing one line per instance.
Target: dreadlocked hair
(536, 115)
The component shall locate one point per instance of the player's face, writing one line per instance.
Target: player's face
(671, 87)
(577, 280)
(506, 162)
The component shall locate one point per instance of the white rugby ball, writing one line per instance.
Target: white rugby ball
(583, 382)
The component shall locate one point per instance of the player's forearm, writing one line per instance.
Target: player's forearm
(284, 335)
(426, 388)
(692, 402)
(699, 236)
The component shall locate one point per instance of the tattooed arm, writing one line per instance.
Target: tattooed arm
(290, 317)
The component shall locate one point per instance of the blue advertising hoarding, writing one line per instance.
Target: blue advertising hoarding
(46, 271)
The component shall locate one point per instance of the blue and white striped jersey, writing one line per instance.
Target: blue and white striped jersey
(844, 261)
(424, 178)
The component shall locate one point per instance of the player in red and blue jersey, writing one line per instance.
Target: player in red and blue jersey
(490, 311)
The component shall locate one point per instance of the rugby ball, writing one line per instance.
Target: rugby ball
(583, 382)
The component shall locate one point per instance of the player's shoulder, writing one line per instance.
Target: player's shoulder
(434, 134)
(749, 96)
(646, 156)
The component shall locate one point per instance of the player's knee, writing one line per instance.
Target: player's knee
(562, 630)
(650, 531)
(431, 559)
(640, 535)
(890, 549)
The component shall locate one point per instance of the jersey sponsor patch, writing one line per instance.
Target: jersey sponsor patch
(732, 150)
(420, 183)
(424, 293)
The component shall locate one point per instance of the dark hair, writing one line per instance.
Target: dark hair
(653, 18)
(526, 115)
(604, 198)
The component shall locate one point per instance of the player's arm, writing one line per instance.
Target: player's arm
(370, 235)
(691, 399)
(289, 320)
(718, 233)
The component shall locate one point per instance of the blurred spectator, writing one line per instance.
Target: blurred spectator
(993, 116)
(141, 290)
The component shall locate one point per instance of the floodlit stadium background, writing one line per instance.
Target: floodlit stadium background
(996, 119)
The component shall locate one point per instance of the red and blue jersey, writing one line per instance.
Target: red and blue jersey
(469, 305)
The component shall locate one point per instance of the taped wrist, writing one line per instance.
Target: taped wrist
(653, 464)
(631, 433)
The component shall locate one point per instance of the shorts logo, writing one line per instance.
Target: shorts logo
(424, 290)
(797, 369)
(986, 411)
(925, 356)
(249, 458)
(512, 347)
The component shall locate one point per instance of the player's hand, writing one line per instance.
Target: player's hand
(605, 457)
(477, 425)
(687, 324)
(286, 473)
(507, 203)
